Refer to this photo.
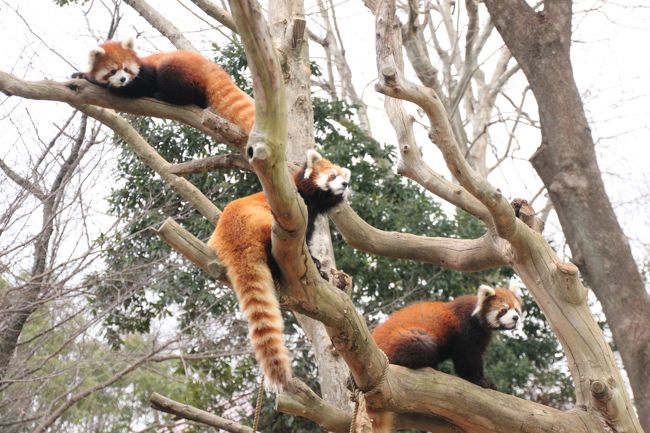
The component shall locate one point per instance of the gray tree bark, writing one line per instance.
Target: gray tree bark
(566, 161)
(287, 25)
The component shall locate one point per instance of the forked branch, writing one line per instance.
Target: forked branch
(555, 285)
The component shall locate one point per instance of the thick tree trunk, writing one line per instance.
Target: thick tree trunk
(566, 162)
(288, 30)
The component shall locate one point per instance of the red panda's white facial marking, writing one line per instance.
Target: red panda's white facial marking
(505, 317)
(117, 75)
(500, 308)
(333, 180)
(122, 75)
(114, 64)
(329, 177)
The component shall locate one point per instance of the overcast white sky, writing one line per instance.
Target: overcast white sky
(609, 58)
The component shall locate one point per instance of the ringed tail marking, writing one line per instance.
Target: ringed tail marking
(255, 290)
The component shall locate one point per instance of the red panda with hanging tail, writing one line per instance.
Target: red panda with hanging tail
(242, 241)
(427, 333)
(177, 77)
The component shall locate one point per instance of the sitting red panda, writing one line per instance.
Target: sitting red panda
(176, 77)
(427, 333)
(242, 241)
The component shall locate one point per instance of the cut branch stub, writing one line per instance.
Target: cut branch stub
(257, 150)
(525, 212)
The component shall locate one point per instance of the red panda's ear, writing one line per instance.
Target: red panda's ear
(312, 157)
(483, 293)
(129, 43)
(346, 174)
(514, 288)
(95, 54)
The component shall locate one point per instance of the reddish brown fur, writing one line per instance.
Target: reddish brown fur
(221, 92)
(240, 240)
(440, 320)
(429, 328)
(115, 55)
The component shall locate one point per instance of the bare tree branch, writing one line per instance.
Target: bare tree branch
(74, 398)
(83, 92)
(21, 181)
(216, 12)
(458, 254)
(211, 163)
(147, 153)
(186, 411)
(160, 23)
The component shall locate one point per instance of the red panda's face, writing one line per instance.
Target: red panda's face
(114, 63)
(325, 175)
(499, 307)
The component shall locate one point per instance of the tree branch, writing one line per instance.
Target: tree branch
(266, 147)
(458, 254)
(411, 163)
(191, 248)
(21, 181)
(209, 164)
(216, 12)
(164, 404)
(305, 403)
(392, 83)
(160, 23)
(150, 157)
(83, 92)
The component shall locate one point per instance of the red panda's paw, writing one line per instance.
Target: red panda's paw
(486, 383)
(81, 75)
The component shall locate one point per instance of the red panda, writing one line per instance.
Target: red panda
(177, 77)
(427, 333)
(242, 241)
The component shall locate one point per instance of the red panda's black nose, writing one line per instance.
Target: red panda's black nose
(345, 184)
(122, 79)
(515, 318)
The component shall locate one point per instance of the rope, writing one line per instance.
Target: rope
(355, 398)
(358, 394)
(258, 405)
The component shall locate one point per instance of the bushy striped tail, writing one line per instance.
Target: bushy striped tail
(255, 290)
(229, 100)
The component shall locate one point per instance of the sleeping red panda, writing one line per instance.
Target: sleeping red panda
(427, 333)
(242, 241)
(177, 77)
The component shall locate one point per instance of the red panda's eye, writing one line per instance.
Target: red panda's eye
(113, 71)
(126, 69)
(332, 176)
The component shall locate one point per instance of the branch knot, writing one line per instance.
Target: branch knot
(257, 150)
